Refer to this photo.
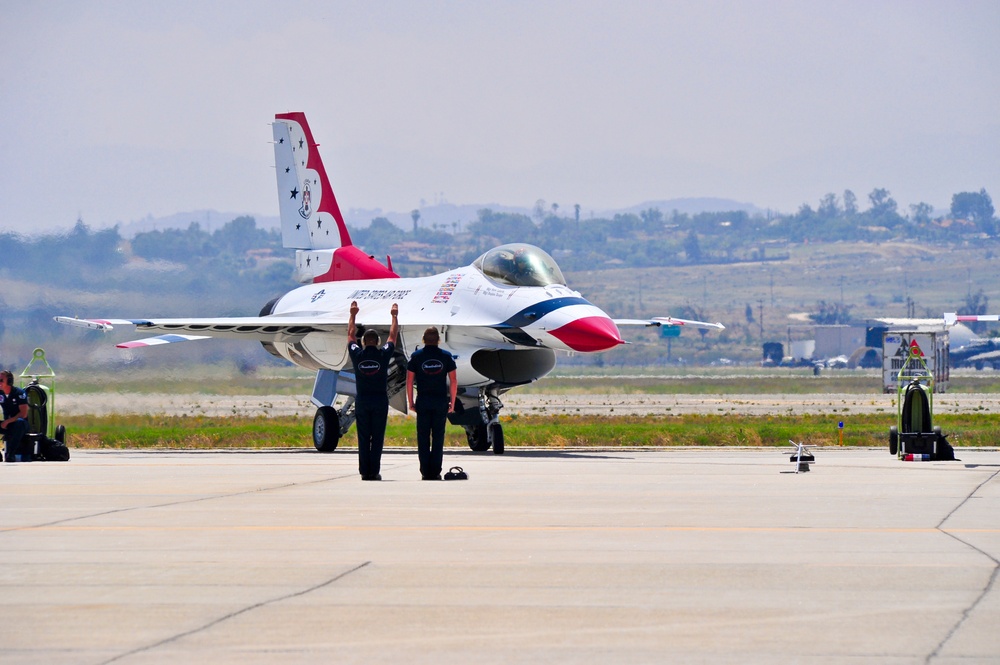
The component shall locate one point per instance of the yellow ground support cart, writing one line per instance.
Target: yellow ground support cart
(915, 438)
(44, 437)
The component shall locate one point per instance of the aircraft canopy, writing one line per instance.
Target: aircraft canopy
(519, 264)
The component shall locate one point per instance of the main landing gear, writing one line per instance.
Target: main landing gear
(330, 424)
(482, 425)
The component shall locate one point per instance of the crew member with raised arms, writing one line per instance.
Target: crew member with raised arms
(371, 406)
(434, 373)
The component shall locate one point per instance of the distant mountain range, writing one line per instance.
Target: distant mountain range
(445, 215)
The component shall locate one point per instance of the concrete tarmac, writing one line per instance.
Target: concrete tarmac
(554, 556)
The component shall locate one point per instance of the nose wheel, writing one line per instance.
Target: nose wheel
(495, 432)
(484, 432)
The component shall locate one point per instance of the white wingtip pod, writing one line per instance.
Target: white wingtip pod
(672, 321)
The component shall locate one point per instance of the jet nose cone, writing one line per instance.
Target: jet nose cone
(591, 333)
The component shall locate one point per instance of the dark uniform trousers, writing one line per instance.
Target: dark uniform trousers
(13, 435)
(371, 414)
(432, 416)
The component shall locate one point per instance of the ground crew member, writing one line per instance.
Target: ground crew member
(434, 373)
(15, 418)
(371, 406)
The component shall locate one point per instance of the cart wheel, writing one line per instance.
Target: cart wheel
(61, 434)
(893, 441)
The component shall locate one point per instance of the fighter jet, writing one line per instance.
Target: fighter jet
(503, 318)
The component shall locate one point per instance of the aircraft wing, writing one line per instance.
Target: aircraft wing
(983, 357)
(668, 321)
(950, 318)
(258, 328)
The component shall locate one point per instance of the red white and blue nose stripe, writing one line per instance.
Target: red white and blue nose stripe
(570, 323)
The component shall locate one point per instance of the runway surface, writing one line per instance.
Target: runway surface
(688, 555)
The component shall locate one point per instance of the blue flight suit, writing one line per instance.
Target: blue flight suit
(431, 366)
(14, 433)
(371, 406)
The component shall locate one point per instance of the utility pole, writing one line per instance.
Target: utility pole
(760, 308)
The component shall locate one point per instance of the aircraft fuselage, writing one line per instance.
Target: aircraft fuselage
(482, 322)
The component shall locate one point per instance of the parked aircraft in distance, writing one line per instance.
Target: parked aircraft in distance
(503, 318)
(964, 348)
(978, 352)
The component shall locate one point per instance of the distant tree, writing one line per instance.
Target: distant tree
(920, 213)
(507, 227)
(378, 236)
(850, 203)
(692, 247)
(976, 303)
(749, 313)
(238, 236)
(651, 217)
(415, 214)
(882, 202)
(552, 230)
(831, 313)
(828, 208)
(576, 213)
(977, 208)
(538, 212)
(883, 210)
(174, 244)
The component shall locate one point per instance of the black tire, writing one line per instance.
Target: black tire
(497, 438)
(477, 438)
(893, 441)
(61, 434)
(326, 429)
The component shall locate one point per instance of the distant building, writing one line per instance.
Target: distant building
(838, 340)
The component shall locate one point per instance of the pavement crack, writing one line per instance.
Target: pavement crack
(237, 613)
(168, 504)
(990, 583)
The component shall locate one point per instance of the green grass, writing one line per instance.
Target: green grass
(184, 432)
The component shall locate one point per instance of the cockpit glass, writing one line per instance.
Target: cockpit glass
(519, 264)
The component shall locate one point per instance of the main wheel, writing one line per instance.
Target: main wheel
(496, 429)
(477, 438)
(893, 441)
(326, 429)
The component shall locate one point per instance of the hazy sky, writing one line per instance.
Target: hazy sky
(118, 110)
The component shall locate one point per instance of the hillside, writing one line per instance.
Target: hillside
(874, 279)
(870, 279)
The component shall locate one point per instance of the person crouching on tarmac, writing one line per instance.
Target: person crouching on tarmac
(434, 373)
(371, 406)
(15, 415)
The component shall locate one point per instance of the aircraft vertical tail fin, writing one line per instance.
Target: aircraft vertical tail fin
(311, 220)
(310, 216)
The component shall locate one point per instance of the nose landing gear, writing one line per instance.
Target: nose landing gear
(482, 425)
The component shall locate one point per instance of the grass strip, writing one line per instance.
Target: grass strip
(560, 431)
